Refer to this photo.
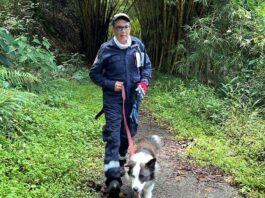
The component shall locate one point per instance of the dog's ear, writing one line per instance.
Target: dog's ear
(151, 164)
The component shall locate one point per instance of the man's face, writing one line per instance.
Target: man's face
(122, 30)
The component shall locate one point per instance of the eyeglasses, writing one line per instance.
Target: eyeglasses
(120, 28)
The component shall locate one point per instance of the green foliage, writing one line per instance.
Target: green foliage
(72, 67)
(63, 151)
(17, 16)
(227, 42)
(6, 42)
(227, 47)
(211, 41)
(227, 133)
(186, 106)
(240, 96)
(15, 78)
(10, 103)
(20, 54)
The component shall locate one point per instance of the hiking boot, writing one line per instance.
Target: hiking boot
(122, 171)
(114, 189)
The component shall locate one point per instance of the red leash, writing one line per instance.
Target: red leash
(130, 141)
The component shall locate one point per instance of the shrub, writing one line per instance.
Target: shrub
(227, 129)
(20, 54)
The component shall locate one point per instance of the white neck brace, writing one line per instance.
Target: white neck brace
(123, 46)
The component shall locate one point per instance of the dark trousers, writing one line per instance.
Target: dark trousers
(115, 137)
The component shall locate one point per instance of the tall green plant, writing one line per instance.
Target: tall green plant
(18, 53)
(229, 41)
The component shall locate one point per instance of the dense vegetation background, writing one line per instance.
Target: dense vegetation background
(208, 86)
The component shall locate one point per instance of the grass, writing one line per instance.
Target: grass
(63, 149)
(223, 136)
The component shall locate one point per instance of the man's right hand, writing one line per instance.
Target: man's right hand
(118, 86)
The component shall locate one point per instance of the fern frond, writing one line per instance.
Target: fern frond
(10, 103)
(16, 78)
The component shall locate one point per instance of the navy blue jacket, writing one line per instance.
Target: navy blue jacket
(114, 64)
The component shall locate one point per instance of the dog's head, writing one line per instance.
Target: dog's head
(141, 173)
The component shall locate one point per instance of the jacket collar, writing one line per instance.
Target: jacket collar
(113, 44)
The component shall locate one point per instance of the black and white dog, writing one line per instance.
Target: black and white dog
(143, 166)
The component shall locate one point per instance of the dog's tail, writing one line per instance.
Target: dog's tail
(156, 140)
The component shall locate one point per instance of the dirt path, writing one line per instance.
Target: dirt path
(177, 178)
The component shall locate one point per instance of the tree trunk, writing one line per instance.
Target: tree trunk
(162, 26)
(95, 16)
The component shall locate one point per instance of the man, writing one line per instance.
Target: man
(121, 61)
